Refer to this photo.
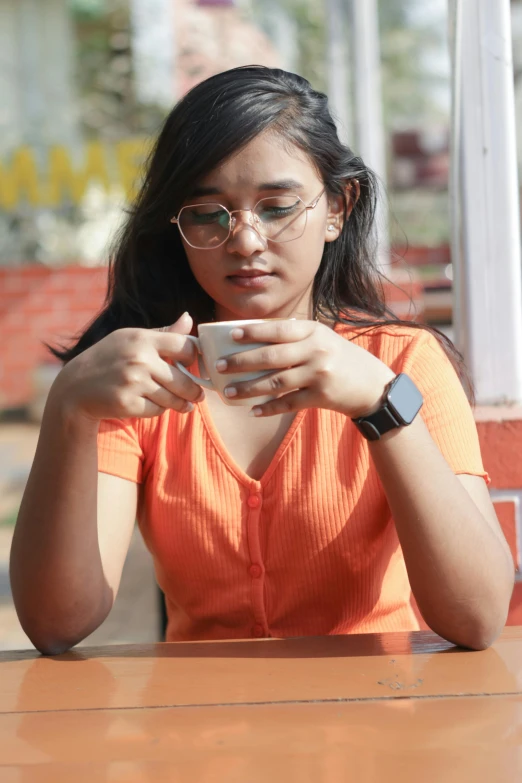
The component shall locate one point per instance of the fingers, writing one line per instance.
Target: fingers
(151, 400)
(269, 357)
(274, 384)
(182, 326)
(164, 399)
(288, 345)
(295, 401)
(166, 340)
(146, 409)
(146, 385)
(175, 382)
(284, 331)
(174, 346)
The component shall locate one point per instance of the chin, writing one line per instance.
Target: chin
(247, 312)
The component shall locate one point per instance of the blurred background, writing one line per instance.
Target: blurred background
(85, 87)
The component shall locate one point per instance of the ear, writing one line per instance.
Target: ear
(335, 220)
(353, 192)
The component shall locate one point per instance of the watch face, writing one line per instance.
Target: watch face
(404, 399)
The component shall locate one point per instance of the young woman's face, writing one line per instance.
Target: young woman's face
(282, 285)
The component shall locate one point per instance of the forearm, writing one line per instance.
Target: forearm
(56, 569)
(459, 567)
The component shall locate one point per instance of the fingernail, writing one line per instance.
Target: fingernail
(237, 334)
(187, 408)
(221, 365)
(255, 412)
(230, 391)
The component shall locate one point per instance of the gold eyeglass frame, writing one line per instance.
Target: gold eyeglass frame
(233, 220)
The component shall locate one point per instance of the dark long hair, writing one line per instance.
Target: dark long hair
(150, 283)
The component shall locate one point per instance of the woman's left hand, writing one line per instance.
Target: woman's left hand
(310, 366)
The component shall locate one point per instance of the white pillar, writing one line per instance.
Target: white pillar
(337, 62)
(368, 105)
(486, 243)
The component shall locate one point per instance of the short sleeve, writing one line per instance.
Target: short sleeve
(446, 410)
(119, 449)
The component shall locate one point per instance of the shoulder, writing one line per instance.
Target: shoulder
(125, 430)
(390, 340)
(409, 349)
(128, 447)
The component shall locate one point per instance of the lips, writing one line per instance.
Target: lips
(249, 273)
(251, 278)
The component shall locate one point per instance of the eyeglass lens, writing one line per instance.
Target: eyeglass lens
(280, 219)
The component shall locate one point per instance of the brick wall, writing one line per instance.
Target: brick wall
(500, 433)
(38, 305)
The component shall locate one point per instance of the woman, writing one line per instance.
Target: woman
(315, 515)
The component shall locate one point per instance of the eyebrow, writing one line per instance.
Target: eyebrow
(283, 184)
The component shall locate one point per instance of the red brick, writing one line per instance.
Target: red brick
(421, 256)
(12, 319)
(25, 280)
(500, 437)
(15, 347)
(19, 368)
(36, 306)
(9, 299)
(14, 386)
(515, 607)
(11, 329)
(57, 284)
(34, 271)
(507, 516)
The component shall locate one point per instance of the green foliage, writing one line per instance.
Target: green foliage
(9, 520)
(310, 19)
(87, 9)
(394, 13)
(410, 86)
(419, 217)
(108, 107)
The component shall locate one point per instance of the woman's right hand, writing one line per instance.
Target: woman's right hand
(125, 375)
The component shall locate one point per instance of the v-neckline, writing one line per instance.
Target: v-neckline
(223, 452)
(230, 462)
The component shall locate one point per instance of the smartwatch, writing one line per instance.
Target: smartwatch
(401, 403)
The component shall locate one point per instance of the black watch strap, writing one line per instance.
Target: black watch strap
(401, 403)
(377, 424)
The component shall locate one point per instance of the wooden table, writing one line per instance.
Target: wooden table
(391, 707)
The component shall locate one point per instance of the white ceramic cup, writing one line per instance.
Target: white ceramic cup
(214, 342)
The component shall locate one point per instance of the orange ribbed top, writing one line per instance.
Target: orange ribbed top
(309, 549)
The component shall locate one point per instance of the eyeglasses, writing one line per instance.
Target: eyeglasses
(277, 218)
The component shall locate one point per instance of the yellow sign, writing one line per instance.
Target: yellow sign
(21, 180)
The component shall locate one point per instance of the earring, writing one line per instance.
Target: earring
(331, 228)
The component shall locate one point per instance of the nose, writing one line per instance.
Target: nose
(244, 237)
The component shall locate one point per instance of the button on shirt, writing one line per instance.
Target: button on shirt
(254, 501)
(309, 549)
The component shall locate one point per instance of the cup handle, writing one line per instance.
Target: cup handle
(206, 382)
